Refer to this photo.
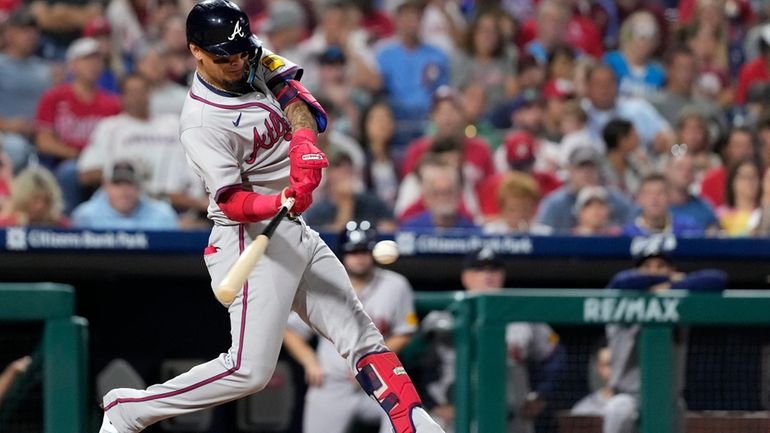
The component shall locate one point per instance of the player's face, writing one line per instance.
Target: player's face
(358, 263)
(484, 279)
(226, 72)
(656, 266)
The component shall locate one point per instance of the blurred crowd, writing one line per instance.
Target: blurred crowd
(584, 117)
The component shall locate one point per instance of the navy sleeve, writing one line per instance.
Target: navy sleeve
(706, 280)
(631, 279)
(552, 369)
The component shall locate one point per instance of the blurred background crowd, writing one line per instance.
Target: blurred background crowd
(584, 117)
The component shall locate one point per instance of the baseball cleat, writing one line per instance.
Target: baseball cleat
(423, 423)
(107, 426)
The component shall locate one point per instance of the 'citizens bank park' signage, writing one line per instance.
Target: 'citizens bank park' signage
(639, 310)
(22, 239)
(417, 243)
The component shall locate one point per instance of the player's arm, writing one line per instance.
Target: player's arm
(299, 116)
(301, 351)
(397, 342)
(11, 372)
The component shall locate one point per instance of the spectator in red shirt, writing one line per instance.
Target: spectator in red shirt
(449, 121)
(757, 70)
(36, 200)
(739, 146)
(68, 113)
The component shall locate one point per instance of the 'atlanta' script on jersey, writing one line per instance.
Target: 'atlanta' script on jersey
(609, 310)
(275, 128)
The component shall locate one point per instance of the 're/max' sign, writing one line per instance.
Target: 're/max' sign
(609, 310)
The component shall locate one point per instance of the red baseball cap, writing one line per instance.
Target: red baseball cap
(559, 88)
(520, 149)
(96, 27)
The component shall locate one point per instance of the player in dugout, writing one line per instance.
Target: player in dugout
(655, 272)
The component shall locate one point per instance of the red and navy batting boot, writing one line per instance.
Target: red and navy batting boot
(383, 377)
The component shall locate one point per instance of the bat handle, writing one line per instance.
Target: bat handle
(273, 224)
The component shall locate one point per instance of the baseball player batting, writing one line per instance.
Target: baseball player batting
(249, 129)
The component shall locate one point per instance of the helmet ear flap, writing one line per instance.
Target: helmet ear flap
(252, 65)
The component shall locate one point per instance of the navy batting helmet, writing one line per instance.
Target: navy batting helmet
(357, 236)
(221, 28)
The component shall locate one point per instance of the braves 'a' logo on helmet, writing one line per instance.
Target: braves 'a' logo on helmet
(237, 31)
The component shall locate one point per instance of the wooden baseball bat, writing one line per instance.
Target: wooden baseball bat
(236, 277)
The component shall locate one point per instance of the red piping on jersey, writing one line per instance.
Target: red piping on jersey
(232, 107)
(221, 375)
(225, 189)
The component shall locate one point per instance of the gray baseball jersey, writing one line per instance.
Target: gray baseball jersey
(333, 406)
(526, 342)
(241, 141)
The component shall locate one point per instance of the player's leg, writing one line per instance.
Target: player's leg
(257, 319)
(620, 414)
(329, 408)
(326, 301)
(369, 411)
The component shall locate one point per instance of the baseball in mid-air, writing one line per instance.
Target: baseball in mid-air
(385, 252)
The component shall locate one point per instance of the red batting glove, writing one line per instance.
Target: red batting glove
(306, 159)
(302, 199)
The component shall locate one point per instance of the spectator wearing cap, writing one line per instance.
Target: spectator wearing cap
(757, 70)
(449, 121)
(556, 94)
(626, 162)
(680, 173)
(23, 79)
(483, 59)
(441, 188)
(679, 91)
(654, 216)
(637, 74)
(345, 199)
(166, 96)
(556, 209)
(121, 205)
(738, 146)
(67, 115)
(517, 198)
(333, 84)
(516, 155)
(35, 200)
(152, 141)
(654, 271)
(483, 271)
(525, 111)
(592, 212)
(602, 104)
(411, 71)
